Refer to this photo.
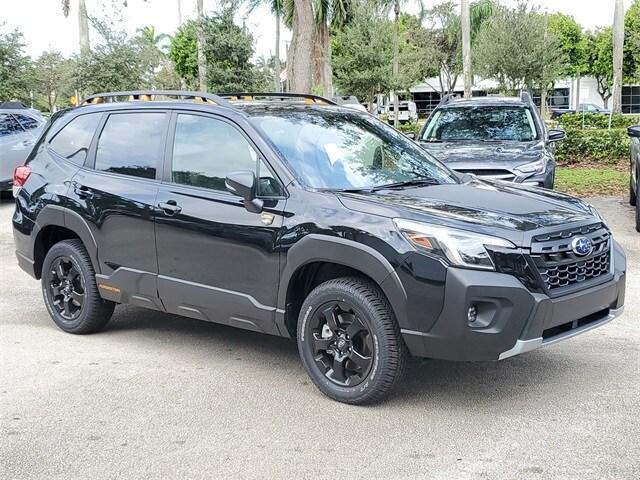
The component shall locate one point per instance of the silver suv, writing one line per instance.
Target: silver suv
(19, 129)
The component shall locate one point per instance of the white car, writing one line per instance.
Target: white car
(407, 112)
(20, 127)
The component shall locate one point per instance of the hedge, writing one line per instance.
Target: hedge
(594, 145)
(595, 120)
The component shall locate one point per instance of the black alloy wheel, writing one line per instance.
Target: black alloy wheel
(66, 288)
(349, 340)
(70, 289)
(342, 342)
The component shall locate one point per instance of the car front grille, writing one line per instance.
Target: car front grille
(497, 174)
(560, 268)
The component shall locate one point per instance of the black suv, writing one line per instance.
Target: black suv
(286, 214)
(500, 138)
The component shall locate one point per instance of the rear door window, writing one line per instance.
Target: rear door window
(9, 125)
(73, 141)
(131, 144)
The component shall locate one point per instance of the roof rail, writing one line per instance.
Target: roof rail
(251, 96)
(447, 97)
(150, 95)
(525, 96)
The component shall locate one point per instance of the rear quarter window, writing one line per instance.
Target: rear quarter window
(73, 141)
(9, 125)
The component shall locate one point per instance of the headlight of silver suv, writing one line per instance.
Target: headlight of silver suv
(538, 166)
(457, 247)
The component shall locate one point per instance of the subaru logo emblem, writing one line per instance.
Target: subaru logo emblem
(581, 246)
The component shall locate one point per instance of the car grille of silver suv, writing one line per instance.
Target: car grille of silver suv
(561, 269)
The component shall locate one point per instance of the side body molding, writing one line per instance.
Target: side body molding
(324, 248)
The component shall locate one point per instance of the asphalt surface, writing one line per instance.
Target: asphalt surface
(157, 396)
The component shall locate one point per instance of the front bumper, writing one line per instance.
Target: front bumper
(510, 318)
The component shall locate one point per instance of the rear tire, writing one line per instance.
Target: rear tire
(70, 290)
(633, 196)
(637, 216)
(350, 342)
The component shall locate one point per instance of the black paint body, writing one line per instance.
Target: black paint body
(214, 260)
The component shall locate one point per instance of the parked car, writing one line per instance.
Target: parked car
(349, 101)
(304, 219)
(407, 112)
(582, 108)
(500, 138)
(19, 128)
(634, 133)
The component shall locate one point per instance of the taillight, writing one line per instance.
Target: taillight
(20, 176)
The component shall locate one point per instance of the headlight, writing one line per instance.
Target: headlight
(533, 167)
(458, 247)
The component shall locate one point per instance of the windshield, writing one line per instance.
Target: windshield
(331, 149)
(481, 123)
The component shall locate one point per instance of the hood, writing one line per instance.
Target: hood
(476, 155)
(494, 208)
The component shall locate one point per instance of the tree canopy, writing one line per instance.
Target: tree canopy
(228, 51)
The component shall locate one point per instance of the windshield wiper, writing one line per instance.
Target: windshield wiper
(408, 183)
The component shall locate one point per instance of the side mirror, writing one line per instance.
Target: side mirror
(411, 135)
(244, 185)
(634, 131)
(555, 134)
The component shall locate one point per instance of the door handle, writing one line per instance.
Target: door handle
(170, 207)
(82, 190)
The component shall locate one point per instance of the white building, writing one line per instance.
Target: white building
(564, 95)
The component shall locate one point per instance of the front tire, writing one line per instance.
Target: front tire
(70, 291)
(350, 342)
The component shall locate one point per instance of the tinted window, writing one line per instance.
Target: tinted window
(27, 123)
(205, 150)
(131, 144)
(343, 150)
(481, 123)
(73, 141)
(9, 125)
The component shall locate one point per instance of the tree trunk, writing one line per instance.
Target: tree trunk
(179, 13)
(577, 93)
(466, 47)
(618, 44)
(277, 66)
(325, 70)
(302, 47)
(200, 41)
(396, 65)
(543, 103)
(83, 28)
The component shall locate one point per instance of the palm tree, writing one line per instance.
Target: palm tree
(618, 47)
(299, 59)
(153, 40)
(466, 46)
(277, 9)
(471, 19)
(328, 14)
(83, 23)
(200, 41)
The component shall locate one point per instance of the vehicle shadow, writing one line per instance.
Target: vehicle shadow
(451, 385)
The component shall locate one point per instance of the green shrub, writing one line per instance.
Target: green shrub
(589, 145)
(595, 120)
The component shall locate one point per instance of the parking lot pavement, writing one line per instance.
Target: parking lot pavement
(156, 396)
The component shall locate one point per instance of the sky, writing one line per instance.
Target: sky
(46, 28)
